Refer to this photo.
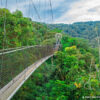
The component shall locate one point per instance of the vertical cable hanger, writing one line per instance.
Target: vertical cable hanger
(98, 43)
(49, 14)
(27, 3)
(37, 13)
(98, 69)
(25, 6)
(1, 59)
(45, 12)
(1, 7)
(32, 15)
(4, 41)
(51, 10)
(29, 9)
(5, 20)
(17, 4)
(39, 5)
(1, 3)
(39, 9)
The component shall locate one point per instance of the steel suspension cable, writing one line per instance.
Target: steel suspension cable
(36, 10)
(17, 4)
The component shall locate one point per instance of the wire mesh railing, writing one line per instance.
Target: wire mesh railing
(13, 62)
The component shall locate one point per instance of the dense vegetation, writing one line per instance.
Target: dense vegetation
(87, 30)
(21, 31)
(70, 75)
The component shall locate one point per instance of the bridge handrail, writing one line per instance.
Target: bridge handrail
(14, 61)
(16, 49)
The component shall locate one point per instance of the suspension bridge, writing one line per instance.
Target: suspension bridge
(18, 64)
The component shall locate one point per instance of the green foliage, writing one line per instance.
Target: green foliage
(68, 77)
(21, 31)
(49, 41)
(71, 50)
(18, 14)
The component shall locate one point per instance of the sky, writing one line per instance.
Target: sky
(64, 11)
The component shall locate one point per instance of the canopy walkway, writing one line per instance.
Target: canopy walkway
(18, 64)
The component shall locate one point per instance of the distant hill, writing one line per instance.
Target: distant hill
(85, 30)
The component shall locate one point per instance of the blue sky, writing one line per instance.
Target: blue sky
(64, 11)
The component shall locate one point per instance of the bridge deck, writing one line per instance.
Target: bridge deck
(11, 88)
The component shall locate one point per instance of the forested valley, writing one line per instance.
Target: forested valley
(87, 30)
(71, 74)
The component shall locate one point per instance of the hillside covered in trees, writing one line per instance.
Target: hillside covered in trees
(21, 31)
(87, 30)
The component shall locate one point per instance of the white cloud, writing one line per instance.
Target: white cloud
(83, 10)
